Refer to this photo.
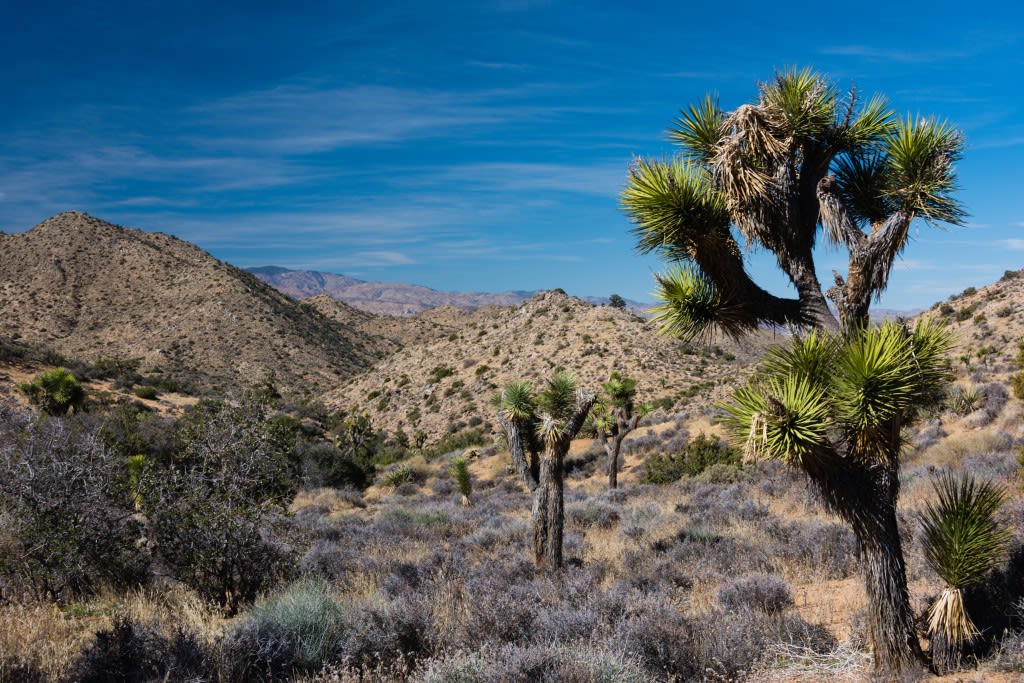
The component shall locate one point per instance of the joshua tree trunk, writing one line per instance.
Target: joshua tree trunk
(612, 448)
(540, 514)
(625, 422)
(548, 512)
(865, 497)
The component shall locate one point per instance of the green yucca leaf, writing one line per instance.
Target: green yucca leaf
(875, 378)
(699, 128)
(673, 207)
(620, 390)
(930, 343)
(863, 180)
(690, 305)
(801, 103)
(922, 155)
(516, 401)
(786, 419)
(809, 357)
(559, 396)
(459, 469)
(962, 540)
(870, 126)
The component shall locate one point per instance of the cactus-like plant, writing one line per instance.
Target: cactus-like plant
(962, 543)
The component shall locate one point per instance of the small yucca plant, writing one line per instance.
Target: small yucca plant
(962, 543)
(459, 470)
(401, 474)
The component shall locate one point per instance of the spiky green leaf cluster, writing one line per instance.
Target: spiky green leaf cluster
(962, 540)
(558, 398)
(459, 469)
(922, 178)
(516, 401)
(699, 128)
(690, 305)
(620, 390)
(847, 394)
(674, 207)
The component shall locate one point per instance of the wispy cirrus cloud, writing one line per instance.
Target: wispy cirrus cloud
(876, 53)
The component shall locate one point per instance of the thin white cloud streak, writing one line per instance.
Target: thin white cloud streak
(1013, 243)
(308, 118)
(603, 180)
(894, 54)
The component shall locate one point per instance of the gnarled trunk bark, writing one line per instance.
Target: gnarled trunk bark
(864, 495)
(549, 510)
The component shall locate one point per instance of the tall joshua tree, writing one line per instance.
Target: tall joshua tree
(799, 162)
(539, 428)
(617, 418)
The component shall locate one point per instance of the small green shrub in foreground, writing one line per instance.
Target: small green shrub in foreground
(697, 456)
(299, 630)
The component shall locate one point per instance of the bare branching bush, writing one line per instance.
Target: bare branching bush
(216, 511)
(69, 527)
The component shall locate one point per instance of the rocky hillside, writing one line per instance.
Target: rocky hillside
(447, 383)
(389, 298)
(93, 290)
(987, 324)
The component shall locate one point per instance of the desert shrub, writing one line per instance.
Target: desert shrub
(662, 640)
(440, 372)
(592, 513)
(297, 631)
(929, 435)
(699, 454)
(465, 438)
(729, 644)
(825, 548)
(56, 391)
(216, 510)
(327, 465)
(1017, 385)
(765, 592)
(132, 653)
(145, 391)
(568, 663)
(70, 527)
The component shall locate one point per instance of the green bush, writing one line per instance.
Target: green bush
(1017, 384)
(298, 631)
(467, 438)
(440, 372)
(145, 391)
(56, 391)
(698, 455)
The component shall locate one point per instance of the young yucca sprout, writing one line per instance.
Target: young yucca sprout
(962, 543)
(459, 469)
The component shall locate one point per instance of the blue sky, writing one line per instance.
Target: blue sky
(467, 145)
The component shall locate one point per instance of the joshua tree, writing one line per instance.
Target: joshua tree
(539, 429)
(962, 543)
(799, 161)
(618, 417)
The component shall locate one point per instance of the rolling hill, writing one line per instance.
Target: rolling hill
(93, 290)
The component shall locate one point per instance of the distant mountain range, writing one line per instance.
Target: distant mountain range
(393, 298)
